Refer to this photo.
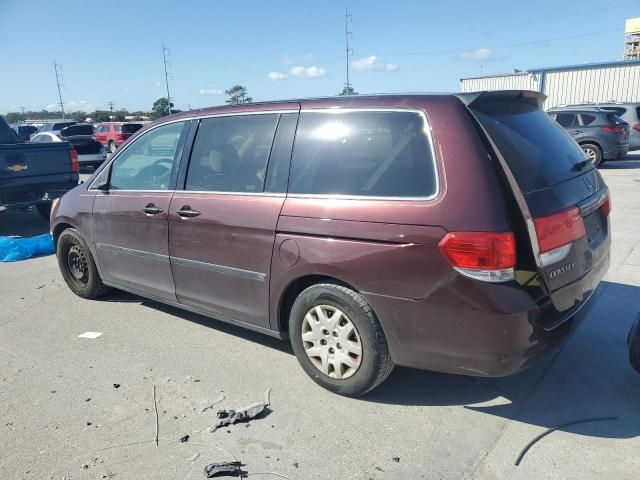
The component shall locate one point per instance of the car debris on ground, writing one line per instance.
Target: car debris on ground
(229, 417)
(225, 469)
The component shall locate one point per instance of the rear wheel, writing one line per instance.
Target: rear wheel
(112, 146)
(77, 265)
(593, 153)
(338, 340)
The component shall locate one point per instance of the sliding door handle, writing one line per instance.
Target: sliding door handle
(151, 209)
(186, 212)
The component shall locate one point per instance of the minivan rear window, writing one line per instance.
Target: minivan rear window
(539, 152)
(363, 153)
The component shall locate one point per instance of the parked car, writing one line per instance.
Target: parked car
(629, 112)
(90, 151)
(25, 131)
(114, 134)
(33, 175)
(601, 133)
(458, 233)
(55, 127)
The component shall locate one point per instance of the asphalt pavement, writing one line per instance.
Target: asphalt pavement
(83, 408)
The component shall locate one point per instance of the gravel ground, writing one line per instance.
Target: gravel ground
(63, 417)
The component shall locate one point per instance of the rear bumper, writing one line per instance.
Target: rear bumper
(616, 152)
(39, 194)
(92, 158)
(496, 333)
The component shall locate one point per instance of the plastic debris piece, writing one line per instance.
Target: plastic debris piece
(91, 335)
(215, 402)
(13, 249)
(229, 417)
(195, 456)
(396, 459)
(116, 385)
(225, 469)
(184, 439)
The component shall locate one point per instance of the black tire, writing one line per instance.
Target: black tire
(593, 152)
(375, 365)
(112, 146)
(77, 265)
(44, 209)
(633, 341)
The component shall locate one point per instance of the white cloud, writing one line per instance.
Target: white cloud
(76, 105)
(210, 91)
(308, 72)
(478, 55)
(276, 75)
(372, 62)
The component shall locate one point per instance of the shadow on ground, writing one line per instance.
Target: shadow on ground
(590, 377)
(22, 223)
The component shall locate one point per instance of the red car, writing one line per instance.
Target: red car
(114, 134)
(458, 233)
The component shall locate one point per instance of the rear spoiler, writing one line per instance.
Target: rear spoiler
(475, 99)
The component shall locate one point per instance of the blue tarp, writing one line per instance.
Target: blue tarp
(13, 249)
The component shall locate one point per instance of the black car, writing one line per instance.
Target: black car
(25, 131)
(601, 133)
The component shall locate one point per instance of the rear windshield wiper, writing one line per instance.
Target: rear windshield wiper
(580, 165)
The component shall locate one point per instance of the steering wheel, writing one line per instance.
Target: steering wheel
(157, 174)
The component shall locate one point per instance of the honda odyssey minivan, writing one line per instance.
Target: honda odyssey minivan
(457, 233)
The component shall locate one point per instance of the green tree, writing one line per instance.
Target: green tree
(238, 94)
(161, 108)
(348, 90)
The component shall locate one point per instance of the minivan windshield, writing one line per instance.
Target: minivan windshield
(539, 152)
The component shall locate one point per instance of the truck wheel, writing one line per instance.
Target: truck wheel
(112, 146)
(593, 153)
(338, 340)
(44, 209)
(77, 265)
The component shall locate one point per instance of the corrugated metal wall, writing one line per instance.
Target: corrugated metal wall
(574, 85)
(517, 81)
(620, 83)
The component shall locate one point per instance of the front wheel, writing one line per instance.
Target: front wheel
(338, 340)
(77, 265)
(112, 146)
(593, 153)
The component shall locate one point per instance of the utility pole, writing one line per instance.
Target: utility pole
(166, 76)
(24, 115)
(58, 76)
(110, 110)
(349, 51)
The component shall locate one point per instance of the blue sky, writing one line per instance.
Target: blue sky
(111, 50)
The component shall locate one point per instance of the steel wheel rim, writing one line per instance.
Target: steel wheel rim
(591, 154)
(77, 265)
(331, 341)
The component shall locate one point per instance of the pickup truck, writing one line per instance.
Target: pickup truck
(34, 174)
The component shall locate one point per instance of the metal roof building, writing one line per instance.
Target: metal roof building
(590, 82)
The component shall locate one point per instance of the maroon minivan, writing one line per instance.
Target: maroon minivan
(458, 233)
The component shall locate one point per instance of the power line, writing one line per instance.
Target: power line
(166, 76)
(58, 76)
(111, 104)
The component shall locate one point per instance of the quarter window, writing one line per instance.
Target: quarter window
(148, 162)
(371, 153)
(587, 119)
(230, 153)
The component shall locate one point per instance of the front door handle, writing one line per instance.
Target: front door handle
(577, 131)
(187, 212)
(151, 209)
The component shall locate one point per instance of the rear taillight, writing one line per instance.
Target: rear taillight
(616, 129)
(606, 206)
(557, 232)
(636, 127)
(75, 164)
(487, 256)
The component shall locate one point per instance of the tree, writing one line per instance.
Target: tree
(238, 94)
(348, 90)
(161, 108)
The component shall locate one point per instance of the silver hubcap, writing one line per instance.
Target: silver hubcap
(591, 154)
(331, 342)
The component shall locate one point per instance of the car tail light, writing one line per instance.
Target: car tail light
(636, 127)
(616, 129)
(557, 232)
(606, 206)
(75, 163)
(487, 256)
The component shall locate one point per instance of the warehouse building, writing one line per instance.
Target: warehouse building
(592, 82)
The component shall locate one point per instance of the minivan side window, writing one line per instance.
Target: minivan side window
(147, 163)
(230, 153)
(363, 153)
